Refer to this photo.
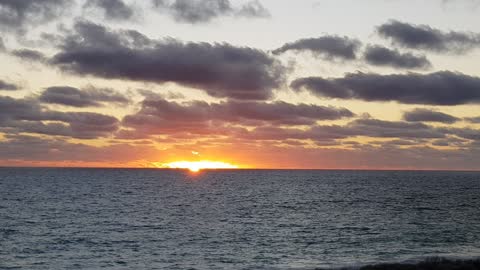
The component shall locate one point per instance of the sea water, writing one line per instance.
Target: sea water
(233, 219)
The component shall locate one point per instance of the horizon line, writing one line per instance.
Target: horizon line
(242, 169)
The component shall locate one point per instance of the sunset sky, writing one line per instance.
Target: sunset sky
(320, 84)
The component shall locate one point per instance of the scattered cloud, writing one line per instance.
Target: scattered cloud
(424, 37)
(221, 70)
(369, 128)
(203, 11)
(29, 116)
(439, 88)
(425, 115)
(242, 116)
(253, 9)
(30, 55)
(2, 46)
(41, 149)
(327, 47)
(6, 86)
(382, 56)
(158, 116)
(116, 10)
(473, 120)
(89, 97)
(16, 15)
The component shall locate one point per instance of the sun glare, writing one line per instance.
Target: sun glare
(196, 166)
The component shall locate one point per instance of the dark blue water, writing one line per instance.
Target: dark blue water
(158, 219)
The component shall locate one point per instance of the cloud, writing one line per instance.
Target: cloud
(394, 129)
(158, 116)
(253, 9)
(203, 11)
(15, 15)
(90, 97)
(424, 115)
(273, 132)
(149, 94)
(381, 56)
(465, 133)
(30, 55)
(80, 125)
(424, 37)
(222, 70)
(328, 47)
(27, 115)
(116, 10)
(451, 142)
(473, 120)
(370, 128)
(33, 149)
(2, 46)
(439, 88)
(6, 86)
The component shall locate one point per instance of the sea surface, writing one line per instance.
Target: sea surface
(234, 219)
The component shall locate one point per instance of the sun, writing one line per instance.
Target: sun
(196, 166)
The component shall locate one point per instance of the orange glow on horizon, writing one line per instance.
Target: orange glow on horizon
(196, 166)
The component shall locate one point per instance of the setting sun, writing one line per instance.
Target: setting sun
(195, 166)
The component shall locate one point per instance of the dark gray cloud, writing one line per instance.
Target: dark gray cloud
(15, 15)
(451, 142)
(159, 115)
(424, 37)
(74, 97)
(30, 55)
(27, 115)
(202, 11)
(473, 120)
(329, 47)
(439, 88)
(112, 9)
(425, 115)
(381, 56)
(465, 133)
(6, 86)
(220, 69)
(2, 46)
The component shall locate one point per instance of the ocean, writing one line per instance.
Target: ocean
(233, 219)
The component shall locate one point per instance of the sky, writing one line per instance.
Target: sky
(306, 84)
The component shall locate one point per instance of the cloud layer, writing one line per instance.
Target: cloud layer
(121, 96)
(159, 116)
